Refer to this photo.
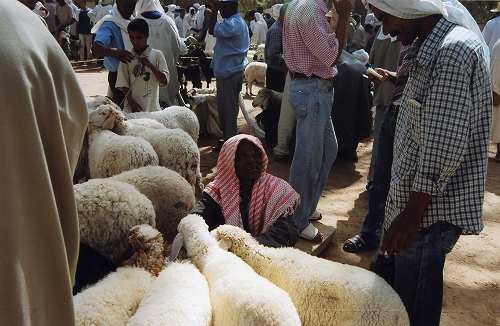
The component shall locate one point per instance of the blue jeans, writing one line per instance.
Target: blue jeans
(371, 229)
(417, 273)
(316, 144)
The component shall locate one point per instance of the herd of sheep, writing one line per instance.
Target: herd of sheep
(134, 208)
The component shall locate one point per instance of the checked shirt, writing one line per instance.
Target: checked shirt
(442, 132)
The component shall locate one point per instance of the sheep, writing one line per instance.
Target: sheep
(171, 195)
(324, 292)
(179, 296)
(175, 149)
(238, 295)
(113, 300)
(94, 101)
(111, 153)
(270, 102)
(254, 72)
(173, 117)
(107, 209)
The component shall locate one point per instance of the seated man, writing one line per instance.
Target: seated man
(245, 195)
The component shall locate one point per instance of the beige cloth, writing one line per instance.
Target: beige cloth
(143, 85)
(41, 131)
(495, 85)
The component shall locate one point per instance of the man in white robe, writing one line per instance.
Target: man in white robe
(41, 131)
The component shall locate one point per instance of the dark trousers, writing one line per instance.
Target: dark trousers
(228, 93)
(275, 79)
(416, 274)
(371, 229)
(118, 96)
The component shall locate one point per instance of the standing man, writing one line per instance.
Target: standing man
(112, 43)
(64, 19)
(84, 27)
(311, 51)
(440, 148)
(43, 121)
(179, 22)
(491, 30)
(229, 60)
(273, 52)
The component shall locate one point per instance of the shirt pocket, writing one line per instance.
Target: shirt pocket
(302, 97)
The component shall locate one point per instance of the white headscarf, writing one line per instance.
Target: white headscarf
(275, 10)
(196, 5)
(200, 17)
(117, 18)
(148, 5)
(451, 10)
(171, 10)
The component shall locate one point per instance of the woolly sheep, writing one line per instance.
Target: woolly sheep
(175, 149)
(94, 101)
(238, 295)
(113, 300)
(324, 292)
(111, 153)
(255, 72)
(179, 296)
(171, 195)
(172, 118)
(107, 209)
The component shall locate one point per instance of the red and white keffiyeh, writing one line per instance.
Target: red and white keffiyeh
(272, 197)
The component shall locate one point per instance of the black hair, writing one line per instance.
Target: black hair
(138, 25)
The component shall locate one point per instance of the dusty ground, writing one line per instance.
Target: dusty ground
(472, 271)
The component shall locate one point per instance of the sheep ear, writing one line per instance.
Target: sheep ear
(109, 123)
(176, 246)
(225, 244)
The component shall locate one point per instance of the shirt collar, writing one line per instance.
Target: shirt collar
(428, 48)
(145, 53)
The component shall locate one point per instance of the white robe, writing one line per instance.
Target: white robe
(491, 32)
(259, 31)
(179, 23)
(495, 85)
(163, 35)
(41, 131)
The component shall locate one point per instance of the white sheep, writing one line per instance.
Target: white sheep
(238, 295)
(111, 153)
(94, 101)
(175, 149)
(173, 117)
(107, 209)
(179, 296)
(324, 292)
(255, 72)
(170, 193)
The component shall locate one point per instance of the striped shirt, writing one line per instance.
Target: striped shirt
(308, 46)
(442, 132)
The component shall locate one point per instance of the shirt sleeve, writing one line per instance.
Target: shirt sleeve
(323, 45)
(444, 120)
(210, 211)
(226, 29)
(495, 68)
(283, 233)
(487, 32)
(161, 64)
(122, 79)
(104, 35)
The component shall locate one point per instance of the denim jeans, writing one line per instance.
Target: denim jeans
(370, 231)
(286, 124)
(228, 93)
(316, 144)
(416, 274)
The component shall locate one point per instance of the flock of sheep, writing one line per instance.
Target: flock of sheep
(143, 173)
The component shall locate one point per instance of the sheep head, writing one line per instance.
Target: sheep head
(195, 236)
(107, 117)
(262, 98)
(148, 249)
(231, 237)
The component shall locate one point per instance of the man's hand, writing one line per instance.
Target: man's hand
(343, 7)
(123, 55)
(145, 62)
(405, 226)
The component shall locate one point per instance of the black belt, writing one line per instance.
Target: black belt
(298, 75)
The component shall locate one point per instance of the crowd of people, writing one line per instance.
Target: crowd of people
(436, 100)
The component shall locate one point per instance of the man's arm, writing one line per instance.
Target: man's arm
(100, 48)
(213, 17)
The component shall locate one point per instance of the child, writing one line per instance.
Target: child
(83, 27)
(140, 79)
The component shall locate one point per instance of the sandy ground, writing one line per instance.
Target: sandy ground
(472, 271)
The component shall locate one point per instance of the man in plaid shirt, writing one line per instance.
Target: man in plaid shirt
(311, 50)
(440, 148)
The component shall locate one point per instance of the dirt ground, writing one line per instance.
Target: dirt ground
(472, 270)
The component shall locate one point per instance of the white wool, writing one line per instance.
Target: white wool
(172, 196)
(113, 300)
(324, 292)
(255, 72)
(238, 295)
(173, 117)
(146, 231)
(179, 296)
(107, 209)
(146, 123)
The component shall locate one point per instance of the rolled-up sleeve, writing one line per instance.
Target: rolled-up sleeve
(444, 121)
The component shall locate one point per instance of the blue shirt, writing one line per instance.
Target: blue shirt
(230, 51)
(110, 36)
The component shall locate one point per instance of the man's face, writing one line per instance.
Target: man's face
(226, 9)
(406, 30)
(248, 161)
(139, 41)
(126, 7)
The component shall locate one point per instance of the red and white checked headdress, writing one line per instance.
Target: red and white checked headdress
(271, 198)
